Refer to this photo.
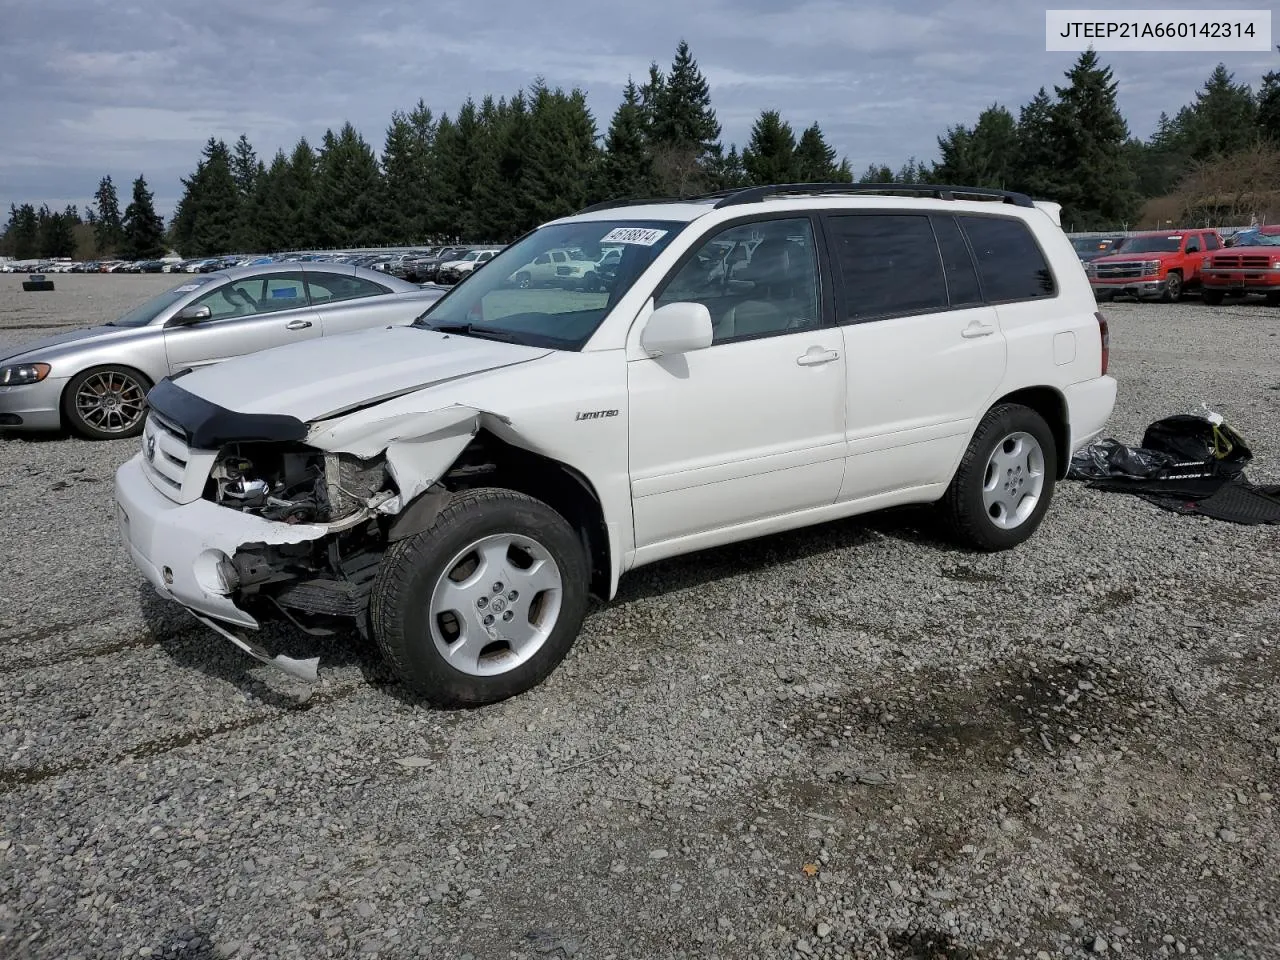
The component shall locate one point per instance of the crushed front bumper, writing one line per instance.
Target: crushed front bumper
(179, 548)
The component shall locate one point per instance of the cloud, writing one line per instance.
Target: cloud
(124, 87)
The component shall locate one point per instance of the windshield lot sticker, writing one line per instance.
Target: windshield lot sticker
(634, 235)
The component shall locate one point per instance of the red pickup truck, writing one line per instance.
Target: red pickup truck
(1158, 265)
(1239, 271)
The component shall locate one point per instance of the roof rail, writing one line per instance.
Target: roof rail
(940, 191)
(626, 202)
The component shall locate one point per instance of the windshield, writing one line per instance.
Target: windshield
(532, 293)
(140, 316)
(1262, 240)
(1150, 244)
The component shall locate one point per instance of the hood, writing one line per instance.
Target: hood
(46, 348)
(327, 376)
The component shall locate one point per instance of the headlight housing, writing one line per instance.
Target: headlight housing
(1151, 266)
(20, 373)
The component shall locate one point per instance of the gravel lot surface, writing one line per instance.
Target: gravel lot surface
(847, 741)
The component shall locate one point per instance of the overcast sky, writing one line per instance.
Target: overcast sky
(91, 87)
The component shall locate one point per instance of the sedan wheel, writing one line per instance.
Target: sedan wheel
(107, 403)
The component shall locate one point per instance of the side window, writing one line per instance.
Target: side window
(1010, 263)
(1211, 242)
(888, 264)
(957, 263)
(774, 290)
(559, 256)
(230, 300)
(542, 258)
(333, 287)
(1193, 244)
(283, 292)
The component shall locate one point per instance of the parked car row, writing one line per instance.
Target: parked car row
(1166, 265)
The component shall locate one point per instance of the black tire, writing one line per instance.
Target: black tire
(591, 282)
(1212, 297)
(400, 607)
(1273, 300)
(1173, 288)
(963, 508)
(130, 382)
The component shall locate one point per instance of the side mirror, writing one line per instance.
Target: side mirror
(676, 328)
(191, 313)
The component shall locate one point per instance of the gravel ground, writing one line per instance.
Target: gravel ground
(847, 741)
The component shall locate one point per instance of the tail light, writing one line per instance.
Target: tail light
(1104, 331)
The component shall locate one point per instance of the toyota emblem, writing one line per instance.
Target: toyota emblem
(151, 447)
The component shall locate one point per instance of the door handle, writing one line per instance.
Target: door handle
(297, 324)
(976, 329)
(816, 355)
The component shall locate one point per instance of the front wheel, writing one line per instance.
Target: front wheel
(106, 403)
(485, 603)
(1173, 288)
(1004, 484)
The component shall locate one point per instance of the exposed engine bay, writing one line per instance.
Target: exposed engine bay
(312, 582)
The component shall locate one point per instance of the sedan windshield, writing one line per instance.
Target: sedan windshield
(140, 316)
(1150, 245)
(533, 293)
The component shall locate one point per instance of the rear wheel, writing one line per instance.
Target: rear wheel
(1211, 297)
(106, 403)
(1005, 482)
(483, 604)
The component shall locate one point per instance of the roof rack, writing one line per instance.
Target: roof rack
(940, 191)
(629, 202)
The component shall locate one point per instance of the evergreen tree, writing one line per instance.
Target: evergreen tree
(302, 232)
(627, 167)
(207, 217)
(1221, 121)
(246, 170)
(982, 156)
(55, 235)
(815, 159)
(272, 206)
(107, 232)
(1035, 155)
(499, 186)
(348, 191)
(406, 155)
(560, 155)
(22, 234)
(1097, 187)
(725, 170)
(1269, 106)
(683, 130)
(770, 154)
(143, 227)
(876, 174)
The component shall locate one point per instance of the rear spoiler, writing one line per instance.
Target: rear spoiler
(1054, 210)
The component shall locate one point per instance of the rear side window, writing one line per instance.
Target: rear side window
(1010, 264)
(1211, 242)
(332, 287)
(962, 278)
(888, 265)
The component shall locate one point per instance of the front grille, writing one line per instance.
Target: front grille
(1238, 261)
(173, 467)
(1123, 270)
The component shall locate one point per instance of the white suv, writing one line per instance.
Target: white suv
(459, 486)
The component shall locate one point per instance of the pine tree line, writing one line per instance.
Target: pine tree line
(499, 167)
(138, 234)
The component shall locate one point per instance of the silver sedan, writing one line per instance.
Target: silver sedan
(96, 380)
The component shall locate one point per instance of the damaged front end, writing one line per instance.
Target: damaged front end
(311, 582)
